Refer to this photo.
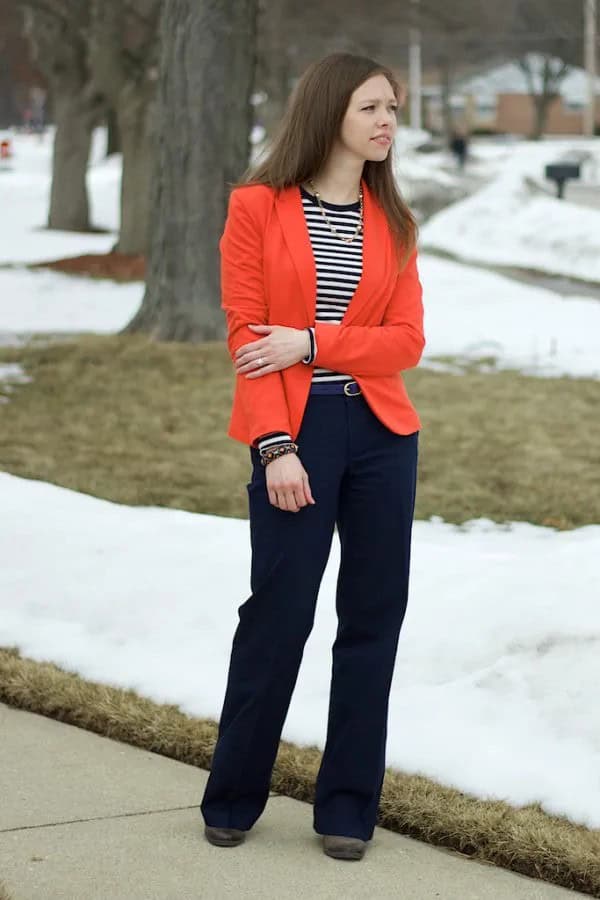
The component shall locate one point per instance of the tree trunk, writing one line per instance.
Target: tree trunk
(446, 85)
(541, 104)
(138, 145)
(550, 77)
(206, 78)
(113, 141)
(123, 51)
(273, 65)
(69, 210)
(237, 68)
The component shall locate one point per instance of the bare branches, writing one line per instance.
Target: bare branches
(68, 14)
(52, 8)
(549, 75)
(149, 21)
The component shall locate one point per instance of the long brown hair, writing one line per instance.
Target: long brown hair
(308, 128)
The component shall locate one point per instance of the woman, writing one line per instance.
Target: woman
(323, 306)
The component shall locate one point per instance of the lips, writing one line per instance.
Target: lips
(383, 140)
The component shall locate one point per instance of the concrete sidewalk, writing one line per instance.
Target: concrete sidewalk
(86, 818)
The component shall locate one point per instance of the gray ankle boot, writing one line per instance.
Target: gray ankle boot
(341, 847)
(224, 837)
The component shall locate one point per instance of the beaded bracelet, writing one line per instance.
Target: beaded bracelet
(271, 453)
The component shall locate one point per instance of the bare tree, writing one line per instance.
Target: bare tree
(206, 78)
(460, 34)
(123, 58)
(553, 29)
(543, 75)
(57, 32)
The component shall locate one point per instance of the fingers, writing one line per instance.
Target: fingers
(307, 491)
(264, 370)
(248, 363)
(288, 501)
(251, 369)
(284, 498)
(291, 497)
(254, 347)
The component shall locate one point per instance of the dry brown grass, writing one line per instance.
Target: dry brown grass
(140, 422)
(527, 840)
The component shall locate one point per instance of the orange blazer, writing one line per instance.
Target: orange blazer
(268, 276)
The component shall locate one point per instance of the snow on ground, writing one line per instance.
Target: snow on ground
(471, 313)
(432, 180)
(25, 192)
(44, 300)
(495, 683)
(510, 223)
(10, 375)
(486, 160)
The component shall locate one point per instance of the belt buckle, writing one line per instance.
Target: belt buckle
(354, 394)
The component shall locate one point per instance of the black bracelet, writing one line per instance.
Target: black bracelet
(311, 354)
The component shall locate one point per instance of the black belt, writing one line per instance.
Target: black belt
(349, 388)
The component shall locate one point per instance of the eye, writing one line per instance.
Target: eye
(393, 106)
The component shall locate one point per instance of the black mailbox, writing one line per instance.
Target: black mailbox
(559, 172)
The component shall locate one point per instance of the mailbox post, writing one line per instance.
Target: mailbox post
(560, 172)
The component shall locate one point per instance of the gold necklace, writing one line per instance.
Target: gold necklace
(330, 224)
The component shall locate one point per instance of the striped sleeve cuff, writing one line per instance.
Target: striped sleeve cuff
(273, 439)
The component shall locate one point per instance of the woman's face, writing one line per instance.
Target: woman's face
(371, 112)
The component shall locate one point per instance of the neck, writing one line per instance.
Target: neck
(338, 181)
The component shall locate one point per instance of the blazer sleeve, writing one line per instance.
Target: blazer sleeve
(243, 301)
(384, 349)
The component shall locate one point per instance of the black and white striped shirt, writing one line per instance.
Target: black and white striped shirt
(338, 268)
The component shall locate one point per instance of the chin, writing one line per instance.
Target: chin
(379, 154)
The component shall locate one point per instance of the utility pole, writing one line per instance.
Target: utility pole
(589, 14)
(414, 71)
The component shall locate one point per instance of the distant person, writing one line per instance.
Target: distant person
(332, 437)
(459, 146)
(38, 103)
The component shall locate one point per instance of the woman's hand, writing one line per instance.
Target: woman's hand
(287, 483)
(281, 347)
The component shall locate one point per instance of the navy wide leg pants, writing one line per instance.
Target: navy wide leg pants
(363, 478)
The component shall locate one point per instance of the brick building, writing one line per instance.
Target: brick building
(498, 100)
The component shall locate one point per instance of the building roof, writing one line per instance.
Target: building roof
(509, 78)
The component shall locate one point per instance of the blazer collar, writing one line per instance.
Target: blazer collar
(288, 204)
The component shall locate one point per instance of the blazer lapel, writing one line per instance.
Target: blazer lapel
(288, 205)
(375, 251)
